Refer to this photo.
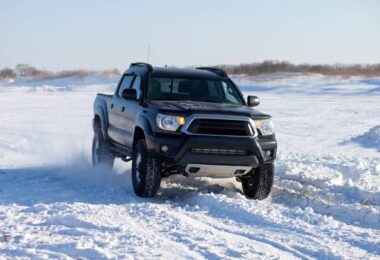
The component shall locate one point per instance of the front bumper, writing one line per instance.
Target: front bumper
(180, 150)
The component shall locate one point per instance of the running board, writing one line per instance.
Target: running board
(121, 151)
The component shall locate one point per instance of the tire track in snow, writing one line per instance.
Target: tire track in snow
(237, 236)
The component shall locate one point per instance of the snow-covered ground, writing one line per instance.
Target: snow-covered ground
(325, 203)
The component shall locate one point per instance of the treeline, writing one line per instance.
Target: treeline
(287, 67)
(372, 70)
(27, 71)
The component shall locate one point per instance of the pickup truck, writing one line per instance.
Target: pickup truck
(193, 122)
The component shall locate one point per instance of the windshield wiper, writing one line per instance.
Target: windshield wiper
(190, 100)
(210, 101)
(165, 99)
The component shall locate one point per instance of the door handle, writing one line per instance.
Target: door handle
(122, 109)
(111, 106)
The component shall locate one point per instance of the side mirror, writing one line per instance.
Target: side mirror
(129, 93)
(253, 101)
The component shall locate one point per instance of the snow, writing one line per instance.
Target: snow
(370, 139)
(325, 202)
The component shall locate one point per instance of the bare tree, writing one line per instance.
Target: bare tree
(7, 73)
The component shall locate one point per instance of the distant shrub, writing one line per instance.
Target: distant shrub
(83, 73)
(286, 67)
(7, 73)
(111, 72)
(27, 71)
(73, 73)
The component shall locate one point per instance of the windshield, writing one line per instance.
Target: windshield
(193, 89)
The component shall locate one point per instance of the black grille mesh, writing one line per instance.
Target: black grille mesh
(220, 127)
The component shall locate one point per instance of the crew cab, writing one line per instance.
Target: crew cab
(193, 122)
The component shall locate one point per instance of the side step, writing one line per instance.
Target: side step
(121, 151)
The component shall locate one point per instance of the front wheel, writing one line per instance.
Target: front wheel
(101, 154)
(259, 185)
(146, 171)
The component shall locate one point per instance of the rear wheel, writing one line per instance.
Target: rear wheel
(146, 171)
(101, 154)
(259, 185)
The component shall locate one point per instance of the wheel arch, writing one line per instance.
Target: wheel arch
(143, 130)
(100, 117)
(137, 135)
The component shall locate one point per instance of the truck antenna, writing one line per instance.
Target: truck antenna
(147, 60)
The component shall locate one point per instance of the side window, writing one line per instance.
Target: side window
(230, 93)
(125, 83)
(137, 85)
(166, 85)
(213, 88)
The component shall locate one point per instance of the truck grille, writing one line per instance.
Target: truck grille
(220, 127)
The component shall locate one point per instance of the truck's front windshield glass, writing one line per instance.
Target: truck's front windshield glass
(193, 89)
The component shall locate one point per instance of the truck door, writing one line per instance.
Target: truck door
(117, 129)
(131, 110)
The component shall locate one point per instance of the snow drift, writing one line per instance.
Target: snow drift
(370, 139)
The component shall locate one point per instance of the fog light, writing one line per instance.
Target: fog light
(164, 148)
(268, 153)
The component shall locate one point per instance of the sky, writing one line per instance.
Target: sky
(74, 34)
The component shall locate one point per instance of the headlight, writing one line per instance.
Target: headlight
(169, 123)
(265, 126)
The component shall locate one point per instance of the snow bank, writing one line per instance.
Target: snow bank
(91, 83)
(332, 186)
(370, 139)
(93, 79)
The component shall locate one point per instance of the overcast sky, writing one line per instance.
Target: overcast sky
(110, 34)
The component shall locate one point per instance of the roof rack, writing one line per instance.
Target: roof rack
(217, 71)
(142, 64)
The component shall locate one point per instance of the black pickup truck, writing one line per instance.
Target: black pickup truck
(193, 122)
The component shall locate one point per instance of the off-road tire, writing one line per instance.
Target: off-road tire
(259, 184)
(146, 171)
(101, 154)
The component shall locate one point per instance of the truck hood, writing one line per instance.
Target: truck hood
(190, 107)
